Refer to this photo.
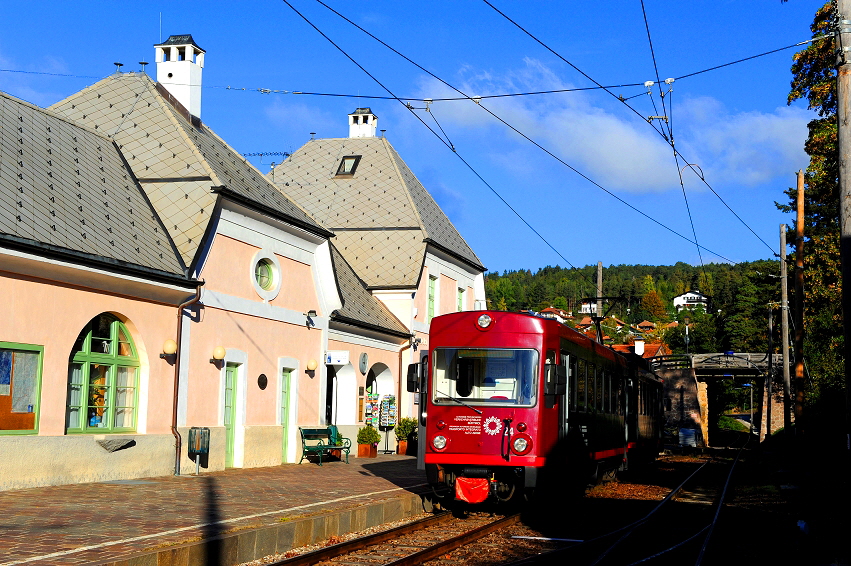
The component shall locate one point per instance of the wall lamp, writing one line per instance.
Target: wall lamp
(218, 355)
(415, 342)
(312, 365)
(169, 350)
(311, 314)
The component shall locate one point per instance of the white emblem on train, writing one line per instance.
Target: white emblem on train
(492, 425)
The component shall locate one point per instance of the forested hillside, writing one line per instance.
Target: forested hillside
(737, 317)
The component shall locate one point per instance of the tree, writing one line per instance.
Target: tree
(814, 79)
(653, 305)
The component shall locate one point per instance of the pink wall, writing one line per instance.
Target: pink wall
(263, 341)
(229, 269)
(52, 315)
(448, 295)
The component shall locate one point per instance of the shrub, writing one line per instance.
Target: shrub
(368, 435)
(406, 429)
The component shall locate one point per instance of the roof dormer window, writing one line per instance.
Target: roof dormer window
(348, 165)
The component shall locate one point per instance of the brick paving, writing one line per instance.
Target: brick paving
(96, 522)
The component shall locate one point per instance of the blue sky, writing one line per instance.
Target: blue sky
(734, 122)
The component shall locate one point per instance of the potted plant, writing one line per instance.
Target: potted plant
(406, 431)
(368, 439)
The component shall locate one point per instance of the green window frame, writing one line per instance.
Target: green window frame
(31, 397)
(103, 379)
(264, 274)
(432, 284)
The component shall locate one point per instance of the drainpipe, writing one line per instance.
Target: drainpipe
(177, 440)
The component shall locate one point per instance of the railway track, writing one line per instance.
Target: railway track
(410, 544)
(677, 531)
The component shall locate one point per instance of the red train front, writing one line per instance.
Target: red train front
(497, 404)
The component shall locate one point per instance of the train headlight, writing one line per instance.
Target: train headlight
(484, 321)
(439, 442)
(521, 444)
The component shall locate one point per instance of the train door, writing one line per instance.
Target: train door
(567, 362)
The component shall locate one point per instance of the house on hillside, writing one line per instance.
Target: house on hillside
(691, 300)
(179, 287)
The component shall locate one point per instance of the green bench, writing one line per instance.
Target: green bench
(322, 441)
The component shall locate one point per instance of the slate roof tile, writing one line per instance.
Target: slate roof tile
(67, 187)
(380, 215)
(160, 143)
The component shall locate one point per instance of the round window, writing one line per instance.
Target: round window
(264, 274)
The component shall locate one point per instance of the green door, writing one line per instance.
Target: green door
(230, 412)
(286, 375)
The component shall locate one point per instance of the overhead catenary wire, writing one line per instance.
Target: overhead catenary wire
(539, 146)
(472, 169)
(580, 71)
(670, 139)
(502, 95)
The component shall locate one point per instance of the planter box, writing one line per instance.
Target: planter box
(367, 451)
(401, 447)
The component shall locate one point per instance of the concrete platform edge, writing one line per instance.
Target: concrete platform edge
(251, 544)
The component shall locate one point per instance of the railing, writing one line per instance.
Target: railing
(720, 360)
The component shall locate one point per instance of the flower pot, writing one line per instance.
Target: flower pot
(412, 447)
(367, 451)
(401, 447)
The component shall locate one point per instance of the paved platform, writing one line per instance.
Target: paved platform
(108, 522)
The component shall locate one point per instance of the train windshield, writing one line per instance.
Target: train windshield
(484, 376)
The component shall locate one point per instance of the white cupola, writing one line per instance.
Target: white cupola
(179, 65)
(362, 123)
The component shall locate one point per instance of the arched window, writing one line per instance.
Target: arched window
(103, 378)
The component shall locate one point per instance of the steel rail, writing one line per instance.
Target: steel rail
(360, 543)
(455, 542)
(557, 554)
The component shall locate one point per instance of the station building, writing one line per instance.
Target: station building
(156, 281)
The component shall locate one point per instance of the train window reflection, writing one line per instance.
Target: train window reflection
(485, 376)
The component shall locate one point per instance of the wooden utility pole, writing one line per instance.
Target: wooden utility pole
(799, 307)
(769, 393)
(784, 330)
(843, 115)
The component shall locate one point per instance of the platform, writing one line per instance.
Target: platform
(243, 514)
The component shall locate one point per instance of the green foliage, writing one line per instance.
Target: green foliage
(406, 429)
(368, 435)
(702, 333)
(814, 79)
(731, 424)
(652, 304)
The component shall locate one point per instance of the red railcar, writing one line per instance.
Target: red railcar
(509, 400)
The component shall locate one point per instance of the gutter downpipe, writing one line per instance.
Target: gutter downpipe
(178, 442)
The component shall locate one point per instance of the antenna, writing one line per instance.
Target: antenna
(118, 67)
(161, 27)
(143, 63)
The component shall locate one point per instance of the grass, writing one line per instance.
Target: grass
(731, 424)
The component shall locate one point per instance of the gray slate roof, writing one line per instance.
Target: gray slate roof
(183, 39)
(360, 307)
(177, 159)
(65, 188)
(382, 216)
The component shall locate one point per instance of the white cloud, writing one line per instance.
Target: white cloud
(613, 146)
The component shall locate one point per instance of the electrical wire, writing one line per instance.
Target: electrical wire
(670, 140)
(370, 75)
(539, 146)
(548, 48)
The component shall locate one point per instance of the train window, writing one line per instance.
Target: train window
(484, 376)
(581, 401)
(593, 387)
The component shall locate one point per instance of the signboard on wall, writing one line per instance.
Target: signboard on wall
(336, 357)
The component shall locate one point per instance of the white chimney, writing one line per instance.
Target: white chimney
(638, 347)
(362, 123)
(179, 65)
